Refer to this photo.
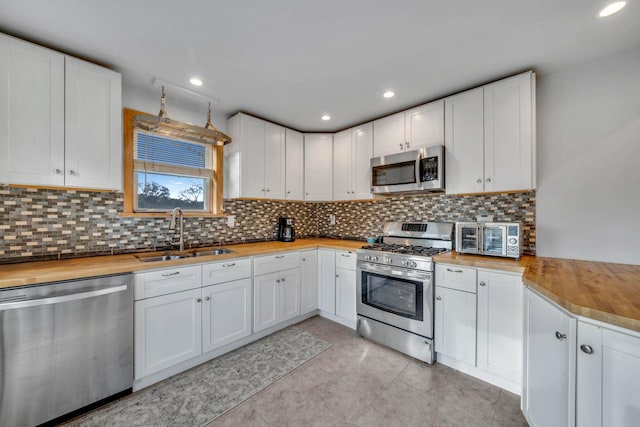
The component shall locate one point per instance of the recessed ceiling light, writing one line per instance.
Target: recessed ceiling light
(196, 81)
(326, 117)
(612, 8)
(389, 94)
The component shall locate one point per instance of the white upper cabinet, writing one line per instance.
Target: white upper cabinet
(60, 119)
(294, 165)
(419, 126)
(318, 159)
(352, 152)
(490, 137)
(31, 114)
(255, 159)
(93, 126)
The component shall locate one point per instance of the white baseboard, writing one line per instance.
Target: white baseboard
(480, 374)
(188, 364)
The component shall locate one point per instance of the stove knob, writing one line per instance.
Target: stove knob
(404, 263)
(388, 260)
(374, 258)
(412, 264)
(367, 257)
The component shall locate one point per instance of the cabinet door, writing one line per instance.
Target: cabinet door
(289, 299)
(388, 135)
(294, 165)
(608, 376)
(327, 280)
(508, 134)
(318, 159)
(464, 142)
(424, 125)
(226, 315)
(361, 154)
(265, 301)
(252, 134)
(455, 324)
(274, 159)
(31, 114)
(500, 301)
(93, 126)
(346, 294)
(549, 377)
(168, 330)
(308, 281)
(342, 166)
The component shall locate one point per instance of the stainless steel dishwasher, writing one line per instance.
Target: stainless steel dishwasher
(64, 346)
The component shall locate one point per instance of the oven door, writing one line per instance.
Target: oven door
(494, 240)
(396, 296)
(396, 172)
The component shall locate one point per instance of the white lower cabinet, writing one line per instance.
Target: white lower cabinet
(549, 363)
(276, 298)
(308, 281)
(326, 280)
(478, 323)
(608, 376)
(346, 294)
(455, 324)
(337, 286)
(168, 330)
(226, 313)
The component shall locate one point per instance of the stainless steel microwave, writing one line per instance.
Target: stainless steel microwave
(420, 170)
(489, 238)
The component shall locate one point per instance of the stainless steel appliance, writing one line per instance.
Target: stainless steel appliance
(502, 239)
(64, 346)
(395, 286)
(286, 232)
(420, 170)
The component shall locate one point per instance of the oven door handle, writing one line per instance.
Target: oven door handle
(395, 272)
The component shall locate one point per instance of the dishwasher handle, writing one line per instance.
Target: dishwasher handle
(62, 298)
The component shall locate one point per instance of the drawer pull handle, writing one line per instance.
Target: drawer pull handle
(454, 271)
(586, 348)
(175, 273)
(346, 256)
(279, 256)
(561, 336)
(229, 265)
(439, 298)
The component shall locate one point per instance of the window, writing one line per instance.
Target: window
(165, 171)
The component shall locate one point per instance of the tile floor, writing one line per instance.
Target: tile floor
(360, 383)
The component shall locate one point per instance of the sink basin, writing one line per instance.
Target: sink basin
(174, 256)
(220, 251)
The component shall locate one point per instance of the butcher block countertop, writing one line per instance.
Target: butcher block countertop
(602, 291)
(30, 273)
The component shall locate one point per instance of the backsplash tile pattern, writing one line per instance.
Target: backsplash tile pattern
(39, 223)
(359, 219)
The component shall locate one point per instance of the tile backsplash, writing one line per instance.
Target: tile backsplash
(39, 223)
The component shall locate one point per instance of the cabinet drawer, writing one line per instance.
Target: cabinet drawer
(346, 259)
(456, 277)
(226, 271)
(163, 282)
(276, 262)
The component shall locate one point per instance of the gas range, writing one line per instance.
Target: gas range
(409, 245)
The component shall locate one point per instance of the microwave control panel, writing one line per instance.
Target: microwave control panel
(513, 241)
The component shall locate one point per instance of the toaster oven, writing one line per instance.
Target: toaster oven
(503, 239)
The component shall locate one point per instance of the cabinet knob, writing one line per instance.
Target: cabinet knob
(483, 283)
(277, 280)
(282, 280)
(207, 298)
(268, 190)
(561, 336)
(72, 172)
(262, 189)
(439, 298)
(586, 349)
(488, 179)
(57, 171)
(406, 144)
(478, 181)
(304, 259)
(401, 146)
(199, 300)
(288, 192)
(337, 275)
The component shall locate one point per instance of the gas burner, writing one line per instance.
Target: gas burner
(405, 249)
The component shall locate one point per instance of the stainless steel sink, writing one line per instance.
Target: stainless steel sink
(220, 251)
(174, 256)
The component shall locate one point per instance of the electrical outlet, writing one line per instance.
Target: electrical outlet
(332, 219)
(485, 218)
(231, 221)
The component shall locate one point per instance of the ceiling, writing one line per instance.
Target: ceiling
(291, 61)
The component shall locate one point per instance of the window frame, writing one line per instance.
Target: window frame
(213, 188)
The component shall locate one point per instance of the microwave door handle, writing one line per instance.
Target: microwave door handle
(504, 241)
(417, 170)
(480, 240)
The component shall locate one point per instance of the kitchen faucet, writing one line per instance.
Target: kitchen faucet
(172, 225)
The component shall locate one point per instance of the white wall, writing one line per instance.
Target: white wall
(178, 107)
(588, 199)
